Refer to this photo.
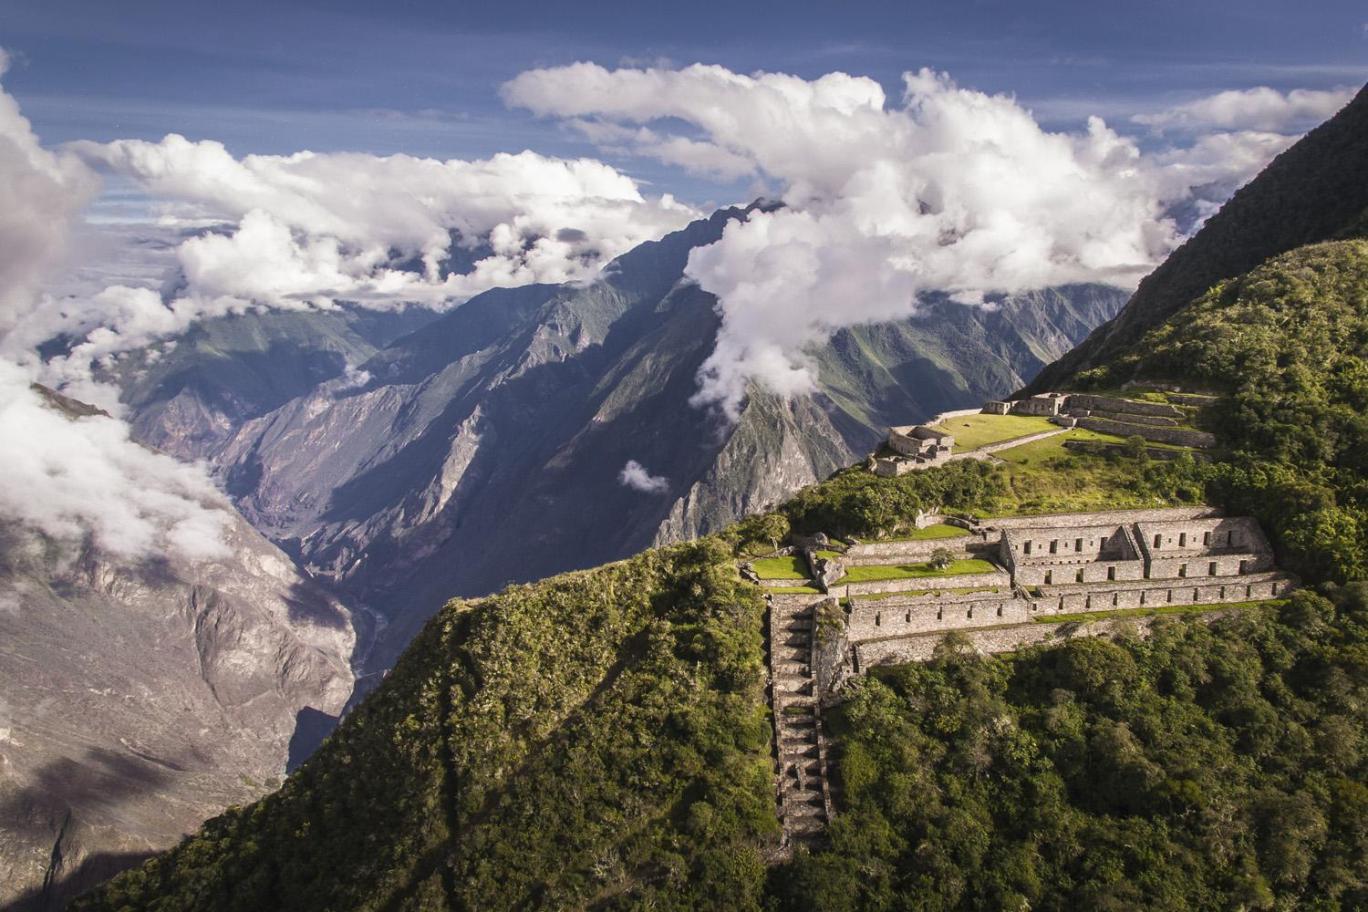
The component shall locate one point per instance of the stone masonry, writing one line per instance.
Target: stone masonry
(1067, 564)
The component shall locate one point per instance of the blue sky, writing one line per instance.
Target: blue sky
(422, 76)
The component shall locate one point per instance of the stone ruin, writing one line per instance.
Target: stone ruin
(914, 447)
(1049, 567)
(1045, 567)
(1158, 422)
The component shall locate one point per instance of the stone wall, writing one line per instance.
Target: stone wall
(1102, 518)
(1009, 639)
(1068, 571)
(1175, 436)
(1112, 404)
(1198, 536)
(1154, 593)
(883, 618)
(868, 553)
(976, 580)
(878, 619)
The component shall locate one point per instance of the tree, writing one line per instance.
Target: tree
(941, 558)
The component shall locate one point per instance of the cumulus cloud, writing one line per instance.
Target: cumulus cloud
(40, 194)
(635, 476)
(1262, 110)
(307, 230)
(314, 228)
(76, 477)
(947, 190)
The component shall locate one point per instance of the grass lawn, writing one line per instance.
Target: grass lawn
(794, 590)
(790, 567)
(829, 555)
(930, 533)
(974, 431)
(1161, 609)
(915, 571)
(1045, 477)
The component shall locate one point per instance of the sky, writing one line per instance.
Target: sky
(423, 77)
(165, 163)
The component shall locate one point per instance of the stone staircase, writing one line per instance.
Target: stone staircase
(803, 796)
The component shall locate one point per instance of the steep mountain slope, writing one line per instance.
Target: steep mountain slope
(1312, 192)
(486, 447)
(504, 762)
(598, 739)
(188, 397)
(138, 698)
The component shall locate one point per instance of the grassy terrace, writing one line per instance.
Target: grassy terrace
(915, 593)
(1045, 477)
(790, 567)
(930, 533)
(915, 571)
(793, 590)
(1161, 609)
(974, 431)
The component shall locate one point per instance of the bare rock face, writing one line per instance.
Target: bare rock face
(139, 698)
(485, 447)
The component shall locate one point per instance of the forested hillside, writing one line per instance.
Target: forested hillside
(599, 740)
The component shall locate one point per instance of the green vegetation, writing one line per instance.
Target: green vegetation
(916, 571)
(793, 590)
(597, 739)
(1155, 611)
(787, 567)
(974, 431)
(1289, 344)
(931, 533)
(1215, 766)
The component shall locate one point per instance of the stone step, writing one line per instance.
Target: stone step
(798, 624)
(800, 809)
(805, 828)
(798, 640)
(797, 722)
(794, 752)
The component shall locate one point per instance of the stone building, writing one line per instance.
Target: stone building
(1055, 566)
(916, 446)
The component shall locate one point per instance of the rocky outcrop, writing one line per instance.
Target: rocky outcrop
(138, 698)
(485, 447)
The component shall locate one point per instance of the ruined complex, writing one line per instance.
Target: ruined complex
(1158, 422)
(1032, 579)
(917, 446)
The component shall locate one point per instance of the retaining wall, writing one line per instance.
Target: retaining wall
(999, 578)
(1009, 639)
(885, 552)
(1113, 404)
(1102, 518)
(1175, 436)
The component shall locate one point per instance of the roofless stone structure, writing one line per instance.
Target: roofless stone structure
(1042, 570)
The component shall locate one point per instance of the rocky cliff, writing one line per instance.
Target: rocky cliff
(138, 698)
(486, 446)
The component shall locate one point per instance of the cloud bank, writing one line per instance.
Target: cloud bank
(1261, 109)
(383, 231)
(947, 189)
(76, 478)
(635, 476)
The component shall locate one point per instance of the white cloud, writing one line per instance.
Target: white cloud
(74, 478)
(950, 190)
(307, 229)
(1262, 110)
(40, 194)
(635, 476)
